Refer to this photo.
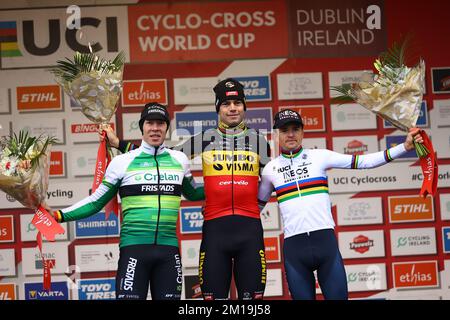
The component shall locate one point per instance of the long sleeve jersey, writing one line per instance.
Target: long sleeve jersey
(231, 167)
(150, 182)
(301, 184)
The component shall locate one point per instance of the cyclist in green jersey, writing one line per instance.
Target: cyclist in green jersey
(150, 181)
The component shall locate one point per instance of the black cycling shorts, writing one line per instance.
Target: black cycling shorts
(232, 245)
(141, 265)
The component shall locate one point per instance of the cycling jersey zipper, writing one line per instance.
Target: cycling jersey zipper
(232, 174)
(159, 196)
(296, 180)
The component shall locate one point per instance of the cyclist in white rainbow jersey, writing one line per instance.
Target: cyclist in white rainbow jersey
(299, 179)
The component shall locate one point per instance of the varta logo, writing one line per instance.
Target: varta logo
(32, 294)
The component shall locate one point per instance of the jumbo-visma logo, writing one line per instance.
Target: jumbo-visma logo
(227, 163)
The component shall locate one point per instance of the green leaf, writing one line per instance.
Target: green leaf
(67, 70)
(346, 94)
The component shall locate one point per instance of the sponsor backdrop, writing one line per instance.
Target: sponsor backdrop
(286, 54)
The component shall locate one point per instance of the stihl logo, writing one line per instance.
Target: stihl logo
(416, 274)
(7, 291)
(38, 98)
(361, 244)
(86, 127)
(410, 208)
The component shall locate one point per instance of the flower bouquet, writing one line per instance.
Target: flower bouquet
(395, 94)
(24, 171)
(95, 84)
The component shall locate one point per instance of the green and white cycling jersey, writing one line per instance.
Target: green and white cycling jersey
(301, 184)
(150, 182)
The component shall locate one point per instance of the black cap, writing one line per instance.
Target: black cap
(154, 111)
(287, 116)
(229, 89)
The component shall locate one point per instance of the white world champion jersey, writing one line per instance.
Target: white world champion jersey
(300, 182)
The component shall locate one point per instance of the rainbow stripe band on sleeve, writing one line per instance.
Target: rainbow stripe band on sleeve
(354, 164)
(305, 188)
(58, 216)
(129, 147)
(387, 156)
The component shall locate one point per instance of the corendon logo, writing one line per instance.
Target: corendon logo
(361, 244)
(139, 92)
(86, 127)
(38, 98)
(415, 274)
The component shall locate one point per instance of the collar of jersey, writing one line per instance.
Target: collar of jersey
(292, 153)
(235, 132)
(150, 149)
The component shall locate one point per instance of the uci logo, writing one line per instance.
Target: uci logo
(54, 27)
(218, 167)
(41, 36)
